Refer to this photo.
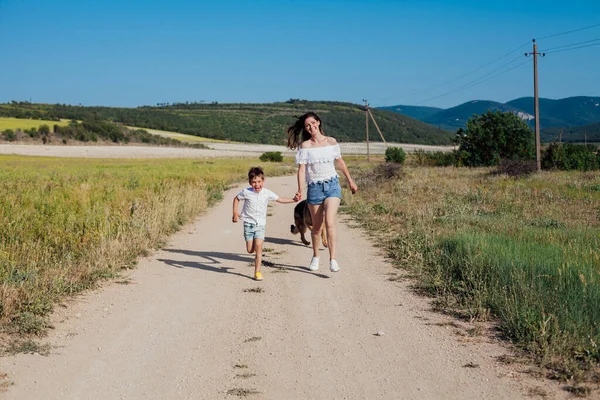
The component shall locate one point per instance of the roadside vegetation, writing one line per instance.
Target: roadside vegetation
(67, 223)
(496, 241)
(524, 252)
(504, 139)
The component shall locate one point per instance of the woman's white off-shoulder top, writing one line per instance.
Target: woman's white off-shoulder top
(319, 162)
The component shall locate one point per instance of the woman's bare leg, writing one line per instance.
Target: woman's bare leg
(331, 206)
(316, 213)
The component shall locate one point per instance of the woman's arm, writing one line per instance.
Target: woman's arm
(301, 177)
(342, 166)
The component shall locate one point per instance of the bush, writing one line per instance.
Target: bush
(10, 135)
(439, 158)
(275, 156)
(395, 154)
(516, 168)
(445, 158)
(495, 136)
(568, 156)
(44, 130)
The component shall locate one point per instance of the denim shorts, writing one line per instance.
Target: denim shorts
(318, 192)
(253, 231)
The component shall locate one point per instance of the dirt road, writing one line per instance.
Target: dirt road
(191, 324)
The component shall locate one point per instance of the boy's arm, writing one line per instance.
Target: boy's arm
(236, 215)
(286, 200)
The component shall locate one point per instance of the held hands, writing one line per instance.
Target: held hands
(235, 217)
(298, 196)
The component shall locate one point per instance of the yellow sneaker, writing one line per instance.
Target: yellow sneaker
(258, 276)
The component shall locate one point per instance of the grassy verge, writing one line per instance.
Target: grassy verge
(66, 223)
(523, 251)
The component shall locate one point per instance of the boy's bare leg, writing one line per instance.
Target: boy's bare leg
(250, 246)
(331, 204)
(316, 213)
(258, 245)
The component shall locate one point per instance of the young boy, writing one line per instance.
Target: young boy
(254, 214)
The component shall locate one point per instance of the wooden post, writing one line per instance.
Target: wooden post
(537, 108)
(560, 135)
(377, 126)
(367, 128)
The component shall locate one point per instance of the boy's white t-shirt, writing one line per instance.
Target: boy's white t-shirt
(254, 210)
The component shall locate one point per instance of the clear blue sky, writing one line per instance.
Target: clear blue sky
(131, 52)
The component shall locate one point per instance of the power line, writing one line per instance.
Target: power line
(467, 73)
(491, 72)
(574, 48)
(475, 82)
(569, 45)
(567, 32)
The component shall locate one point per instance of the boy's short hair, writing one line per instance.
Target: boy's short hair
(255, 172)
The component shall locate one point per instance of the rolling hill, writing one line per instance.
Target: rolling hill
(254, 123)
(572, 111)
(457, 117)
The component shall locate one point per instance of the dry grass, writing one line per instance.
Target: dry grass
(66, 223)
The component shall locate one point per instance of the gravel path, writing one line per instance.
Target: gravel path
(192, 324)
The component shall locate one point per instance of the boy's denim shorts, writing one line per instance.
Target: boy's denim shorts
(318, 192)
(253, 231)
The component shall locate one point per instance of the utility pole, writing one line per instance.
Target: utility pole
(560, 135)
(367, 114)
(367, 128)
(377, 126)
(536, 105)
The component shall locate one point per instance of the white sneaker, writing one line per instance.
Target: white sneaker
(333, 266)
(314, 264)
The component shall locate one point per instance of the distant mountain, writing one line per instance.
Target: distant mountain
(416, 112)
(572, 111)
(577, 134)
(567, 112)
(457, 117)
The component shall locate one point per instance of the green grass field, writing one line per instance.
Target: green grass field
(18, 123)
(65, 223)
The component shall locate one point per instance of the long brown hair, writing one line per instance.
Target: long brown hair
(297, 134)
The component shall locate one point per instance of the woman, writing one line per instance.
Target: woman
(316, 159)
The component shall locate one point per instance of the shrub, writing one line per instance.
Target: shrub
(439, 158)
(44, 130)
(516, 168)
(568, 156)
(444, 158)
(395, 154)
(495, 136)
(10, 135)
(275, 156)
